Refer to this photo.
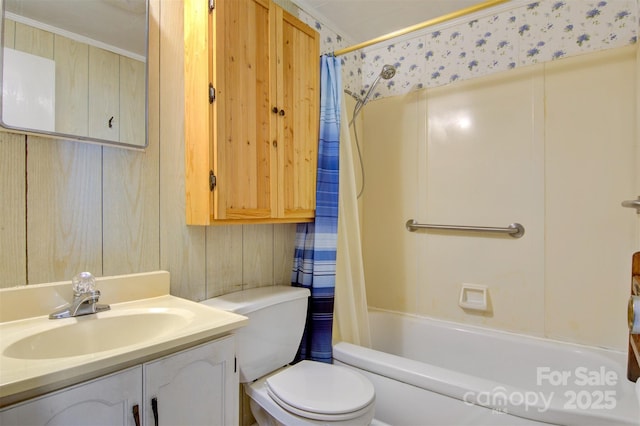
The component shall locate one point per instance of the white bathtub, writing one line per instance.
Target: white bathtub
(431, 372)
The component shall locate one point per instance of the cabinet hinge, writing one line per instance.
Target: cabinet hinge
(212, 5)
(212, 93)
(212, 181)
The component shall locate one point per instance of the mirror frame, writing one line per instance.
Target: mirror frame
(71, 137)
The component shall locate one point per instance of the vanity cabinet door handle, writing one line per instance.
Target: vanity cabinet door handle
(136, 415)
(154, 407)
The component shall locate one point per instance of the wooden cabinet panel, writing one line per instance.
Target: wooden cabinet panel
(298, 94)
(259, 137)
(198, 112)
(243, 163)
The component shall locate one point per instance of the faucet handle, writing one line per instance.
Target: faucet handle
(83, 283)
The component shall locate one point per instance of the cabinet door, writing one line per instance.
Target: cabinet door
(107, 401)
(259, 136)
(298, 97)
(199, 117)
(195, 387)
(244, 141)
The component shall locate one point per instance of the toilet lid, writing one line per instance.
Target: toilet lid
(317, 390)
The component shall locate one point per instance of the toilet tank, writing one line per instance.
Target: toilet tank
(277, 315)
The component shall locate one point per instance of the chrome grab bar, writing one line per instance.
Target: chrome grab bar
(515, 230)
(633, 204)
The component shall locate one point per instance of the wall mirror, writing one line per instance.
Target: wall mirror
(76, 70)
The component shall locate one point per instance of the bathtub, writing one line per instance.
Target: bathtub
(432, 372)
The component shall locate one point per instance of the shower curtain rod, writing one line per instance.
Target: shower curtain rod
(416, 27)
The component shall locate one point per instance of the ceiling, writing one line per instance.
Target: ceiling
(362, 20)
(354, 20)
(117, 23)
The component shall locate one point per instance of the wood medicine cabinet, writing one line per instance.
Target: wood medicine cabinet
(251, 113)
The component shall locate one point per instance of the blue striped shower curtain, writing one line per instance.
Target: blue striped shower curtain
(314, 263)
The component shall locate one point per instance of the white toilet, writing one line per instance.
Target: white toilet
(307, 393)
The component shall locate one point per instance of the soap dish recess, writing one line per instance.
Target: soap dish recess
(474, 297)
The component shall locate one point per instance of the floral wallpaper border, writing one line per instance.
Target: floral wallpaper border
(487, 42)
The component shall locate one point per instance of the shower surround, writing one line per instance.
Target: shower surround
(552, 146)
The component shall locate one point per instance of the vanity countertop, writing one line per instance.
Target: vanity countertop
(38, 355)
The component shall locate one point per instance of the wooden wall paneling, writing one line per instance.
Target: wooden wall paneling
(131, 178)
(224, 259)
(182, 248)
(13, 233)
(284, 241)
(257, 255)
(132, 99)
(131, 210)
(41, 43)
(64, 217)
(34, 41)
(104, 94)
(9, 29)
(72, 80)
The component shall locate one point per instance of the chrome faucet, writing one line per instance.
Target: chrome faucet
(85, 298)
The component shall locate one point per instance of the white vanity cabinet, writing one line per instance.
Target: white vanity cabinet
(194, 387)
(197, 386)
(106, 401)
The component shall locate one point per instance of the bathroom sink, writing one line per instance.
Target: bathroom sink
(95, 334)
(39, 355)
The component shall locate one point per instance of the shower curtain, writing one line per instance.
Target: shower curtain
(351, 323)
(314, 263)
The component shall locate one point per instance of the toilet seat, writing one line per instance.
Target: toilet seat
(320, 391)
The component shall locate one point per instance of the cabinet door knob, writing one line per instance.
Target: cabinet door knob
(281, 113)
(274, 110)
